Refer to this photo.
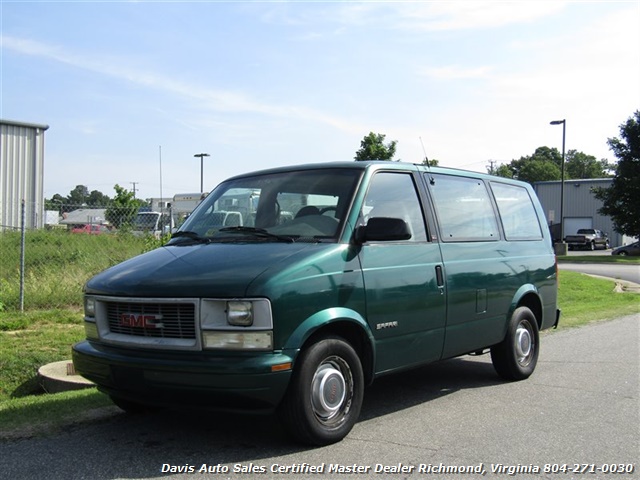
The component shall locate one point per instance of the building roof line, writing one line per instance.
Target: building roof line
(14, 123)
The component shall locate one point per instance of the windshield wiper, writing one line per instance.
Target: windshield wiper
(257, 232)
(191, 236)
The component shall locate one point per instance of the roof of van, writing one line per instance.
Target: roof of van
(378, 164)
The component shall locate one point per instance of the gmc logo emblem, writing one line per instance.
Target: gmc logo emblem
(141, 320)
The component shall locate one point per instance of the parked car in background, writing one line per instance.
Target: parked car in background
(90, 229)
(633, 249)
(589, 239)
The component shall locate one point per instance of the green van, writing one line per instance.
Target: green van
(333, 275)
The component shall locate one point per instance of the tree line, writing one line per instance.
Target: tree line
(119, 210)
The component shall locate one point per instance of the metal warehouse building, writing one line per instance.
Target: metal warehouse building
(21, 174)
(580, 207)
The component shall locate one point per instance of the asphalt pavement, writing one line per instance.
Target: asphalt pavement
(577, 417)
(616, 271)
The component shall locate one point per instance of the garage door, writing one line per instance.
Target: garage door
(573, 224)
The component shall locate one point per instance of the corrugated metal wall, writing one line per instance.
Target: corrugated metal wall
(21, 174)
(579, 203)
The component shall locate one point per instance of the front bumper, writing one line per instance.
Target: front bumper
(169, 379)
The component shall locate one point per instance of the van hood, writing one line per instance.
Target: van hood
(202, 270)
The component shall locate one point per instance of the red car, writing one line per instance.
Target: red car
(90, 229)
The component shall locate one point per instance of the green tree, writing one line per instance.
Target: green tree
(78, 196)
(372, 147)
(503, 171)
(543, 165)
(98, 199)
(432, 162)
(539, 171)
(57, 202)
(123, 208)
(581, 165)
(621, 201)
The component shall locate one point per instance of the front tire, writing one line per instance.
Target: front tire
(515, 358)
(324, 398)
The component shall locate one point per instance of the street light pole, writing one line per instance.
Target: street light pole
(201, 155)
(564, 128)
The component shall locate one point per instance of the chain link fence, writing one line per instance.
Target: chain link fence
(46, 268)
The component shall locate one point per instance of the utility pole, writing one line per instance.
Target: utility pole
(134, 188)
(491, 167)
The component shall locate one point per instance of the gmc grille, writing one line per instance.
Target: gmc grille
(178, 319)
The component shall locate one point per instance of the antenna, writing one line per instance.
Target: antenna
(168, 221)
(426, 160)
(160, 161)
(432, 181)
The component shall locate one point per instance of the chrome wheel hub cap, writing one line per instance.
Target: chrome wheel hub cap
(524, 343)
(328, 391)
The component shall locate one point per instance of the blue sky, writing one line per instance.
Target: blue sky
(127, 87)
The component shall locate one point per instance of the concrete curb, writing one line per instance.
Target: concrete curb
(622, 286)
(60, 377)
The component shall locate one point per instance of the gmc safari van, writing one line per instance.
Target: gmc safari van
(337, 274)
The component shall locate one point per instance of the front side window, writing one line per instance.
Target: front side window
(464, 209)
(304, 205)
(394, 195)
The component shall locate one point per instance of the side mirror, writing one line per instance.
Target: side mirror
(383, 229)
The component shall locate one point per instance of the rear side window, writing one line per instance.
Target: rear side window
(464, 208)
(517, 213)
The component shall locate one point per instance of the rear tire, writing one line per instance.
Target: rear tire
(515, 358)
(324, 398)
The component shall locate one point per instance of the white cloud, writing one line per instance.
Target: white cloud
(455, 72)
(207, 98)
(416, 15)
(465, 15)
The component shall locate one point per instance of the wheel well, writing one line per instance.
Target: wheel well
(532, 302)
(355, 336)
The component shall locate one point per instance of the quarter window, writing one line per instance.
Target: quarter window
(517, 214)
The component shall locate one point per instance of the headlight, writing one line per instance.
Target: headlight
(235, 314)
(240, 314)
(238, 340)
(89, 307)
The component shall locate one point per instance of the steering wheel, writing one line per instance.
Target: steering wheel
(328, 209)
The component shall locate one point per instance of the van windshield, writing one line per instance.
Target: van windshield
(302, 205)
